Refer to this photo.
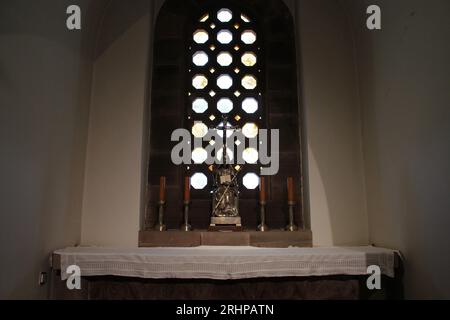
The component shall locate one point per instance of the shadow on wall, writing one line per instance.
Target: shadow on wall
(333, 125)
(44, 115)
(112, 192)
(117, 18)
(404, 73)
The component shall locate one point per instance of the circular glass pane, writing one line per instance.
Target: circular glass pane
(199, 105)
(199, 155)
(248, 37)
(225, 105)
(219, 154)
(199, 129)
(248, 59)
(250, 105)
(200, 58)
(199, 181)
(250, 181)
(250, 130)
(224, 81)
(201, 36)
(199, 81)
(245, 18)
(224, 59)
(224, 36)
(249, 82)
(224, 15)
(250, 155)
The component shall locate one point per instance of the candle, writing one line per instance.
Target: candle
(262, 190)
(187, 189)
(290, 187)
(162, 189)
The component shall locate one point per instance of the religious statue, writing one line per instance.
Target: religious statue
(225, 204)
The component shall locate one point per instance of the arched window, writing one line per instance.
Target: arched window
(224, 80)
(233, 58)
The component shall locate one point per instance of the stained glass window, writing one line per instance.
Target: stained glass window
(224, 36)
(199, 81)
(250, 181)
(249, 82)
(250, 130)
(224, 81)
(250, 105)
(250, 155)
(224, 15)
(199, 180)
(230, 154)
(248, 59)
(225, 87)
(225, 105)
(200, 58)
(248, 37)
(201, 36)
(224, 59)
(199, 155)
(199, 129)
(199, 105)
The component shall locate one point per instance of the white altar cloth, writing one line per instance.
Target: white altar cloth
(212, 262)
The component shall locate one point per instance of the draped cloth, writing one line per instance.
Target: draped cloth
(225, 263)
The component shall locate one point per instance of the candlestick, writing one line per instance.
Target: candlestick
(262, 189)
(290, 188)
(187, 189)
(160, 226)
(186, 226)
(291, 203)
(291, 224)
(187, 196)
(262, 206)
(162, 189)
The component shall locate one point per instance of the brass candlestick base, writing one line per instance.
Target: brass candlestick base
(291, 225)
(262, 215)
(186, 226)
(160, 226)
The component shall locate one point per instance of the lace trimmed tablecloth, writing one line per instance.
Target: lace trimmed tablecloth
(212, 262)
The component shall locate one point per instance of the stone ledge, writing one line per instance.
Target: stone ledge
(270, 239)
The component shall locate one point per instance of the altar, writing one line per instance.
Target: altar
(227, 272)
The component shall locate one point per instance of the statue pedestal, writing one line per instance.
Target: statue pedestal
(225, 224)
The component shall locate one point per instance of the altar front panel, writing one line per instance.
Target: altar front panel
(233, 272)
